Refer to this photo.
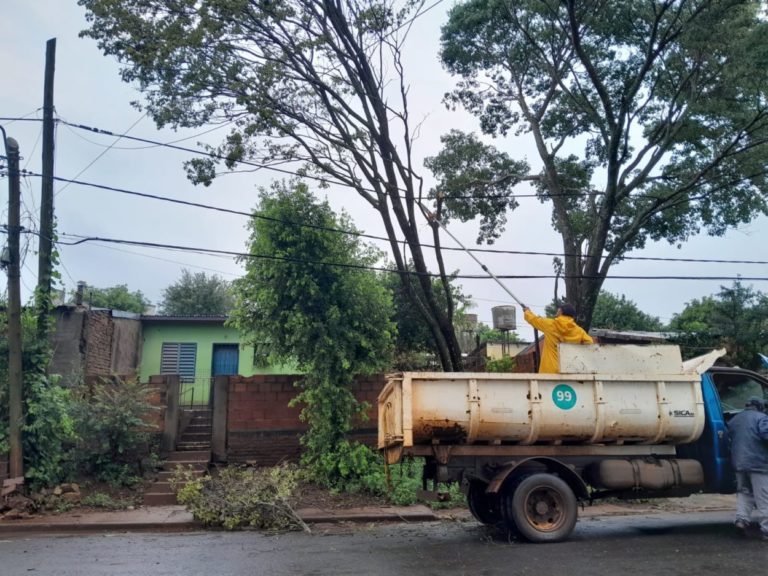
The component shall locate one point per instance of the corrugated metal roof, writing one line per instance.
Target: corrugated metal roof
(632, 335)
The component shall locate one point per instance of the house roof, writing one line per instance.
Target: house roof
(160, 319)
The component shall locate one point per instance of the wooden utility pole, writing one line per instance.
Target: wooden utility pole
(15, 378)
(46, 198)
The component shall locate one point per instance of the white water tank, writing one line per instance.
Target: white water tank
(504, 317)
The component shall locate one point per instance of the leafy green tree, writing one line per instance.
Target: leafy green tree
(736, 318)
(488, 334)
(116, 298)
(619, 313)
(414, 345)
(307, 292)
(197, 295)
(312, 82)
(648, 119)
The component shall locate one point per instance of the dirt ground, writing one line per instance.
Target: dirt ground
(313, 496)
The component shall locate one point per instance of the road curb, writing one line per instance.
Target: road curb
(309, 516)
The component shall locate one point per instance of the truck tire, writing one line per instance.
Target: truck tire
(483, 506)
(540, 508)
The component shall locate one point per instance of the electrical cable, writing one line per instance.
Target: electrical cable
(246, 255)
(380, 238)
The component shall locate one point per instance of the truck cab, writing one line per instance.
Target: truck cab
(725, 390)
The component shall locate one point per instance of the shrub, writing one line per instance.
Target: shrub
(238, 497)
(111, 420)
(398, 483)
(505, 364)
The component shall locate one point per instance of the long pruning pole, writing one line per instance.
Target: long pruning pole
(434, 218)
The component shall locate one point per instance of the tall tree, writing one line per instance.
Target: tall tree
(197, 295)
(308, 293)
(736, 318)
(649, 119)
(317, 82)
(117, 297)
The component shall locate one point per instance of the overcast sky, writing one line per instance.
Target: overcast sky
(88, 91)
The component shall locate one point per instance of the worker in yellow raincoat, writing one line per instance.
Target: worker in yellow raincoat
(561, 328)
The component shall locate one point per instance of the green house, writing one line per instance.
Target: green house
(199, 348)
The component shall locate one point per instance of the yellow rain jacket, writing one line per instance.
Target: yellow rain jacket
(556, 330)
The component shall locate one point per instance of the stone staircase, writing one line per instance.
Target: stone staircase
(193, 450)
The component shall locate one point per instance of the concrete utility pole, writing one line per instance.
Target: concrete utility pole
(46, 197)
(15, 378)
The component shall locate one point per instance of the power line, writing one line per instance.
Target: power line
(380, 238)
(185, 264)
(246, 255)
(148, 146)
(103, 152)
(304, 175)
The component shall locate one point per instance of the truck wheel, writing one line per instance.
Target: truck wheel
(541, 507)
(482, 505)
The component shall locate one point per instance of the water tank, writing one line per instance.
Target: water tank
(504, 317)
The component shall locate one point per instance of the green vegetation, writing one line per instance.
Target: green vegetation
(115, 298)
(113, 435)
(647, 119)
(736, 318)
(107, 502)
(197, 295)
(241, 497)
(506, 364)
(617, 312)
(299, 82)
(68, 432)
(414, 344)
(332, 320)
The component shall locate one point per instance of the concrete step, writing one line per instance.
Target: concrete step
(193, 446)
(198, 428)
(192, 436)
(166, 475)
(187, 455)
(159, 499)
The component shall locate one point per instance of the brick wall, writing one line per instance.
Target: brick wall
(261, 428)
(98, 335)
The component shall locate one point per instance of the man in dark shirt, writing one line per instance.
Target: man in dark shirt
(749, 451)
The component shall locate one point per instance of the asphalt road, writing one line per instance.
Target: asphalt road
(698, 544)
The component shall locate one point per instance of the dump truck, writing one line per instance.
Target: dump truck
(618, 421)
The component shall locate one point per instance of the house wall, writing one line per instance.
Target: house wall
(126, 347)
(68, 344)
(93, 343)
(98, 336)
(205, 335)
(263, 429)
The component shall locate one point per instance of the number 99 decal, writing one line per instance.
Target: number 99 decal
(564, 396)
